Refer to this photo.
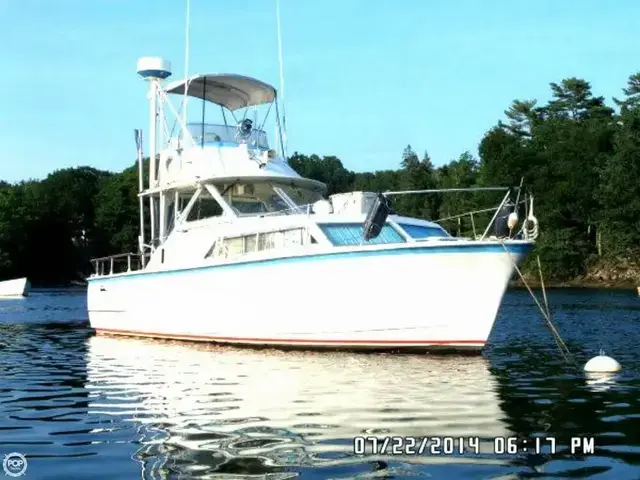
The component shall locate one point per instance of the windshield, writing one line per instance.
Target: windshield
(208, 133)
(300, 196)
(262, 198)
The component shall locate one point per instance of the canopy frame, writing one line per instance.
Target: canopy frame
(230, 91)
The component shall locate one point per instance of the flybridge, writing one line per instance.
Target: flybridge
(195, 163)
(240, 133)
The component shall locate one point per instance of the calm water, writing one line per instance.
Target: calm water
(81, 406)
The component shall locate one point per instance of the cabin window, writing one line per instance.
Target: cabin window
(252, 199)
(234, 246)
(170, 216)
(250, 242)
(205, 207)
(301, 196)
(422, 231)
(280, 239)
(341, 234)
(260, 198)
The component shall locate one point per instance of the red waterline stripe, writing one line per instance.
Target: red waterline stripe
(293, 341)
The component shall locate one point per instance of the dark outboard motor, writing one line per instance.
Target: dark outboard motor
(376, 217)
(501, 223)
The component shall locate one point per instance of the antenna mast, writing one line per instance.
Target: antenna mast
(284, 118)
(186, 59)
(153, 70)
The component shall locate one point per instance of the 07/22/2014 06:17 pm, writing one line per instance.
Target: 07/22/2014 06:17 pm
(440, 445)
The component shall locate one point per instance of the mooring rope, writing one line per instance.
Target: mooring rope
(564, 350)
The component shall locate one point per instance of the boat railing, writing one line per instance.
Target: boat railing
(470, 214)
(119, 263)
(528, 228)
(473, 215)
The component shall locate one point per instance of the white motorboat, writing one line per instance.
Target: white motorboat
(244, 250)
(16, 287)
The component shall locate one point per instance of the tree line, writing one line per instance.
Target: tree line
(578, 156)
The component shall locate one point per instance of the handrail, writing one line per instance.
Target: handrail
(507, 190)
(483, 210)
(100, 264)
(473, 212)
(117, 255)
(450, 190)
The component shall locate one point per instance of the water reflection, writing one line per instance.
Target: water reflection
(601, 382)
(112, 408)
(202, 409)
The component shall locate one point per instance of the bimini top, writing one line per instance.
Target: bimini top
(228, 90)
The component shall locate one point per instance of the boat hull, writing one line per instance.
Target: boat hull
(427, 297)
(17, 287)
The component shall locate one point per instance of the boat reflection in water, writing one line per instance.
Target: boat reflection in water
(200, 409)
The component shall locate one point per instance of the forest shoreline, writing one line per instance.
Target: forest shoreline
(578, 156)
(622, 275)
(576, 283)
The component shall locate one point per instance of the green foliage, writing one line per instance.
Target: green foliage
(328, 170)
(577, 156)
(416, 174)
(117, 219)
(460, 173)
(619, 189)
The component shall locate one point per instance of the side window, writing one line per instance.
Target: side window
(233, 246)
(341, 234)
(421, 231)
(205, 207)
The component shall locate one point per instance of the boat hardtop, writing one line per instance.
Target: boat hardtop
(228, 90)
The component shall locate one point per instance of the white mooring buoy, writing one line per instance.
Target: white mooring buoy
(602, 364)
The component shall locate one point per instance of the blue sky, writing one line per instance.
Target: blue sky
(362, 78)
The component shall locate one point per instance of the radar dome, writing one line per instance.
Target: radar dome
(154, 67)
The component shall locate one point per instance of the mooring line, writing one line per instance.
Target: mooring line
(546, 314)
(556, 334)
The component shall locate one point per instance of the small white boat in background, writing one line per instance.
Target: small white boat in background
(17, 287)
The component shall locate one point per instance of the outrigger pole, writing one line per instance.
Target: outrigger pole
(141, 246)
(282, 128)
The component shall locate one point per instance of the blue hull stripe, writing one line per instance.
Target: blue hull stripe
(515, 249)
